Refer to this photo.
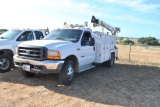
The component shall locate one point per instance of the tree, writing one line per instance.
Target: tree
(3, 30)
(121, 38)
(149, 41)
(128, 42)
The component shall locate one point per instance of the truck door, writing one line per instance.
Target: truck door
(25, 36)
(86, 51)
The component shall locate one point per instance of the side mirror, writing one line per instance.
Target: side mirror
(41, 37)
(92, 42)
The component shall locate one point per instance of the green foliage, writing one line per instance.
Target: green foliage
(121, 38)
(128, 42)
(149, 41)
(3, 30)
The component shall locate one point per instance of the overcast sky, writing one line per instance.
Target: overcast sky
(136, 18)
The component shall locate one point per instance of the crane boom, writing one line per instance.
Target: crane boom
(97, 22)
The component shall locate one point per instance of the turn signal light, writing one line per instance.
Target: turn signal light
(55, 57)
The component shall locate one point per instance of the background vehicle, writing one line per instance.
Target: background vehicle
(10, 40)
(67, 51)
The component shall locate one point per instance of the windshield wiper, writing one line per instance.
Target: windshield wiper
(61, 39)
(2, 38)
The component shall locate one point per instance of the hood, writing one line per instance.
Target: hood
(50, 44)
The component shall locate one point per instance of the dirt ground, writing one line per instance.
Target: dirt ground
(126, 85)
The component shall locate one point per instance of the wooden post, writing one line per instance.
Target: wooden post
(129, 53)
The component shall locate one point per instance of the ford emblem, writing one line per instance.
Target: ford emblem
(27, 52)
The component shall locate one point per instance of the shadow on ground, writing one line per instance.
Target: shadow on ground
(123, 85)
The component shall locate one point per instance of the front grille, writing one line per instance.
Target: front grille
(35, 53)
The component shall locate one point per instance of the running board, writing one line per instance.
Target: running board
(85, 67)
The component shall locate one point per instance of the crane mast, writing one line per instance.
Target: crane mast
(98, 22)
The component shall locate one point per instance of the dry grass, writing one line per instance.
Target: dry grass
(126, 84)
(140, 54)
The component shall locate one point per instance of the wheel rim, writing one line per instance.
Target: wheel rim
(70, 73)
(4, 63)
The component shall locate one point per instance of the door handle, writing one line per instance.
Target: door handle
(78, 49)
(94, 48)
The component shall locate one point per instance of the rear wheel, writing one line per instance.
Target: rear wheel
(67, 73)
(6, 63)
(27, 74)
(110, 62)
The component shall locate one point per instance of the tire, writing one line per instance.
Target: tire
(110, 62)
(6, 63)
(67, 73)
(27, 74)
(13, 66)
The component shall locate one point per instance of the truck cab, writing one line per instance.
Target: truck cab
(10, 40)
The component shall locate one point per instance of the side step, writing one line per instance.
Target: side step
(85, 67)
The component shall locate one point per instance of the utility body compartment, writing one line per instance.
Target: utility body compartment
(105, 45)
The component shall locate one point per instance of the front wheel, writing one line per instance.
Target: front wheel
(67, 73)
(27, 74)
(6, 63)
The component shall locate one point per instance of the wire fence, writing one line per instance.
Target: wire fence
(142, 54)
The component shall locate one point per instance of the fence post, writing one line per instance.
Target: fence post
(129, 53)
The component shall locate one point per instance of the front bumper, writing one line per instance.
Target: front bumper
(44, 67)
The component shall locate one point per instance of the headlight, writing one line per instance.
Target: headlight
(52, 54)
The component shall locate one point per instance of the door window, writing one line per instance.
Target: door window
(39, 35)
(86, 39)
(26, 36)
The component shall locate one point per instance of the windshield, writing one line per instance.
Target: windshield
(64, 34)
(10, 34)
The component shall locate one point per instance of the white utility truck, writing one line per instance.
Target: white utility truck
(68, 51)
(10, 40)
